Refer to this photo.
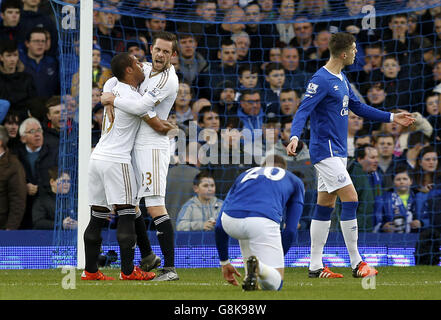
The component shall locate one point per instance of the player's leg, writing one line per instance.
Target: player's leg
(149, 260)
(126, 236)
(99, 214)
(349, 227)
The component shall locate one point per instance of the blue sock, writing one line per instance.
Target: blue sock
(348, 211)
(322, 213)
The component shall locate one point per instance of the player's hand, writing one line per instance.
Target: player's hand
(291, 147)
(110, 112)
(229, 272)
(107, 98)
(404, 118)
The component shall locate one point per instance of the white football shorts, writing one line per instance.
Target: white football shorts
(332, 174)
(257, 236)
(151, 168)
(111, 183)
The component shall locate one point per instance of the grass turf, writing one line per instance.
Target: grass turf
(392, 283)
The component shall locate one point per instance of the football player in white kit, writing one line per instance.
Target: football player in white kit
(112, 182)
(151, 153)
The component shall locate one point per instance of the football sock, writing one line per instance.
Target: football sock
(319, 230)
(92, 243)
(349, 228)
(125, 234)
(165, 234)
(142, 239)
(269, 277)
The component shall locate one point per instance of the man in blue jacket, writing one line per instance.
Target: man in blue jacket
(252, 212)
(327, 102)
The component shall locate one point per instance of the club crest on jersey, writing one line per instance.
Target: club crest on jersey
(312, 88)
(344, 110)
(154, 92)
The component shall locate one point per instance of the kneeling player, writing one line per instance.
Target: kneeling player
(252, 213)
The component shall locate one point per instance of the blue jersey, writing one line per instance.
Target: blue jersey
(327, 102)
(268, 192)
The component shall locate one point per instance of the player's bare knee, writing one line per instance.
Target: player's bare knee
(156, 211)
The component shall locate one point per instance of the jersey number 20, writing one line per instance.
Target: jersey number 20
(254, 173)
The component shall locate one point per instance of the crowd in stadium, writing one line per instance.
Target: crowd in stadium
(241, 66)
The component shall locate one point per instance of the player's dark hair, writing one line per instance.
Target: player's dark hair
(167, 36)
(201, 175)
(11, 4)
(119, 64)
(275, 160)
(340, 42)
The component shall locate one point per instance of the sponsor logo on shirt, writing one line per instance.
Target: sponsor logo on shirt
(344, 110)
(312, 88)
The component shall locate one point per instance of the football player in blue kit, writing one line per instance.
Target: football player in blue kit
(327, 101)
(257, 203)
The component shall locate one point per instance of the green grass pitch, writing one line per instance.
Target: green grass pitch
(392, 283)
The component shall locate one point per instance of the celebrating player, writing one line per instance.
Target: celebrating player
(112, 182)
(151, 155)
(327, 101)
(252, 213)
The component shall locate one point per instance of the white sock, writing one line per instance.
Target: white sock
(319, 231)
(269, 277)
(349, 229)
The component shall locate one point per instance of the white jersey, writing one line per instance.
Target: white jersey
(118, 137)
(158, 89)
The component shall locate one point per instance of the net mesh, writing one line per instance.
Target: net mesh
(240, 48)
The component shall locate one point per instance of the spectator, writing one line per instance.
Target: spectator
(100, 74)
(355, 124)
(362, 137)
(43, 68)
(225, 101)
(295, 77)
(398, 213)
(30, 18)
(274, 83)
(97, 123)
(425, 174)
(274, 55)
(415, 142)
(250, 113)
(191, 62)
(10, 19)
(267, 7)
(201, 211)
(44, 210)
(285, 28)
(16, 86)
(51, 130)
(262, 35)
(138, 49)
(433, 115)
(226, 69)
(289, 101)
(373, 61)
(270, 137)
(106, 35)
(313, 9)
(204, 26)
(320, 56)
(304, 39)
(182, 103)
(248, 78)
(435, 77)
(180, 181)
(12, 186)
(387, 161)
(242, 42)
(368, 185)
(208, 118)
(36, 157)
(198, 105)
(12, 123)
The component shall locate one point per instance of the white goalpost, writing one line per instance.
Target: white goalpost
(84, 122)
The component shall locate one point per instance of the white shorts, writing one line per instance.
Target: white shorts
(151, 168)
(332, 174)
(257, 236)
(111, 183)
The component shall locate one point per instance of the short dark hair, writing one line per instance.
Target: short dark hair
(8, 46)
(416, 137)
(360, 152)
(53, 101)
(252, 68)
(11, 4)
(340, 42)
(201, 175)
(248, 92)
(204, 110)
(35, 30)
(273, 66)
(167, 36)
(119, 64)
(275, 160)
(226, 41)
